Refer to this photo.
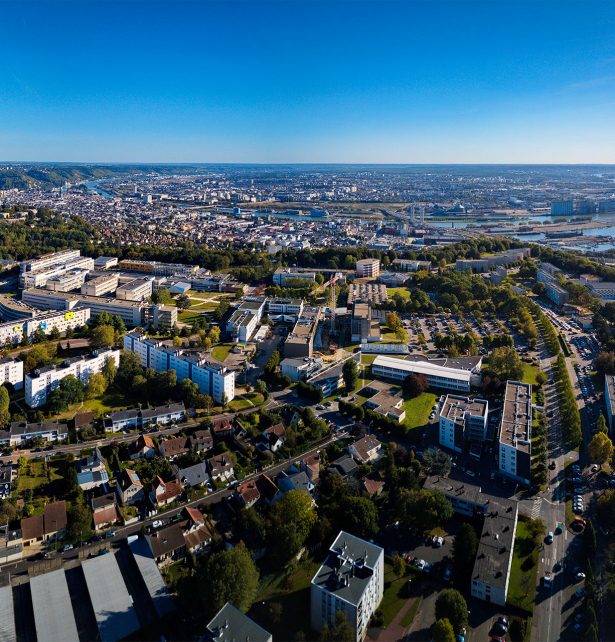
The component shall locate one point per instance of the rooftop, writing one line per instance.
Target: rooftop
(516, 425)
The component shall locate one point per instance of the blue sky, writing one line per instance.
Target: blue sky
(404, 81)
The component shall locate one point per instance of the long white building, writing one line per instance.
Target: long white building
(213, 379)
(40, 382)
(39, 277)
(14, 331)
(437, 376)
(351, 580)
(47, 260)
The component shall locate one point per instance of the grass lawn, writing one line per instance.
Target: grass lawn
(389, 337)
(186, 316)
(406, 621)
(395, 593)
(174, 573)
(239, 403)
(529, 373)
(109, 402)
(403, 291)
(292, 593)
(522, 586)
(418, 409)
(221, 351)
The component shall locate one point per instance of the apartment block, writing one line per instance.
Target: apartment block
(13, 333)
(515, 441)
(212, 378)
(368, 268)
(351, 580)
(40, 382)
(462, 420)
(11, 371)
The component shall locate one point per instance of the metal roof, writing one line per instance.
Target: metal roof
(53, 611)
(112, 604)
(7, 615)
(163, 602)
(422, 368)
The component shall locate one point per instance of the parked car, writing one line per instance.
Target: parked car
(549, 538)
(156, 524)
(68, 547)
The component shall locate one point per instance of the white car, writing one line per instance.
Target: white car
(580, 576)
(157, 524)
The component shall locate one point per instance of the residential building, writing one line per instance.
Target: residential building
(351, 580)
(173, 447)
(368, 268)
(129, 489)
(193, 476)
(437, 376)
(48, 527)
(213, 379)
(142, 448)
(13, 333)
(104, 511)
(247, 494)
(40, 382)
(137, 418)
(556, 293)
(609, 400)
(11, 371)
(164, 493)
(462, 420)
(386, 400)
(300, 341)
(562, 208)
(515, 440)
(91, 471)
(466, 499)
(165, 316)
(231, 625)
(366, 450)
(221, 467)
(201, 440)
(21, 432)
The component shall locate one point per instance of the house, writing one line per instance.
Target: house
(163, 415)
(344, 466)
(221, 467)
(82, 420)
(167, 544)
(192, 476)
(129, 489)
(295, 481)
(173, 447)
(92, 471)
(164, 493)
(48, 527)
(372, 487)
(366, 450)
(142, 448)
(268, 489)
(22, 432)
(273, 437)
(201, 440)
(197, 534)
(231, 625)
(104, 511)
(247, 494)
(222, 428)
(6, 480)
(310, 465)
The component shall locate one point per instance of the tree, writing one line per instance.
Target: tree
(601, 424)
(589, 539)
(606, 509)
(505, 363)
(183, 301)
(442, 631)
(341, 631)
(102, 335)
(350, 374)
(393, 321)
(5, 415)
(69, 391)
(399, 565)
(109, 371)
(359, 515)
(130, 366)
(541, 378)
(214, 334)
(451, 605)
(230, 576)
(600, 448)
(414, 385)
(97, 384)
(292, 519)
(465, 546)
(423, 509)
(79, 520)
(437, 461)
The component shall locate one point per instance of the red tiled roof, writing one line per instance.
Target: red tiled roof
(106, 516)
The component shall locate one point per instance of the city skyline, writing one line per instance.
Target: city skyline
(308, 82)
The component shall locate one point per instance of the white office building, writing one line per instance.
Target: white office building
(212, 379)
(368, 268)
(437, 376)
(135, 290)
(47, 260)
(351, 580)
(39, 278)
(104, 284)
(462, 420)
(40, 382)
(515, 441)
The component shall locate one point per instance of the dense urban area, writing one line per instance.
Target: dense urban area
(307, 403)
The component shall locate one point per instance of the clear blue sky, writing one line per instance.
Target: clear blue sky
(308, 81)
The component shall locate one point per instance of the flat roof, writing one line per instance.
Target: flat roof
(163, 602)
(516, 424)
(53, 612)
(7, 615)
(609, 382)
(456, 407)
(422, 367)
(112, 604)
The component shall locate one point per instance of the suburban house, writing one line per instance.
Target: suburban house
(164, 493)
(104, 511)
(268, 489)
(92, 471)
(201, 440)
(142, 448)
(297, 480)
(247, 494)
(344, 466)
(221, 467)
(48, 527)
(129, 489)
(222, 428)
(190, 535)
(310, 465)
(192, 476)
(366, 450)
(173, 447)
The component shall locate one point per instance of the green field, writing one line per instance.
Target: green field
(221, 351)
(529, 373)
(395, 593)
(186, 316)
(243, 402)
(522, 586)
(418, 409)
(403, 291)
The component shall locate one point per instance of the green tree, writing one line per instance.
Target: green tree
(291, 521)
(183, 302)
(341, 631)
(102, 335)
(601, 424)
(359, 516)
(399, 565)
(393, 322)
(229, 576)
(97, 384)
(214, 334)
(437, 462)
(423, 509)
(465, 546)
(5, 415)
(109, 371)
(450, 605)
(414, 385)
(350, 374)
(442, 631)
(130, 366)
(69, 391)
(600, 448)
(79, 519)
(505, 363)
